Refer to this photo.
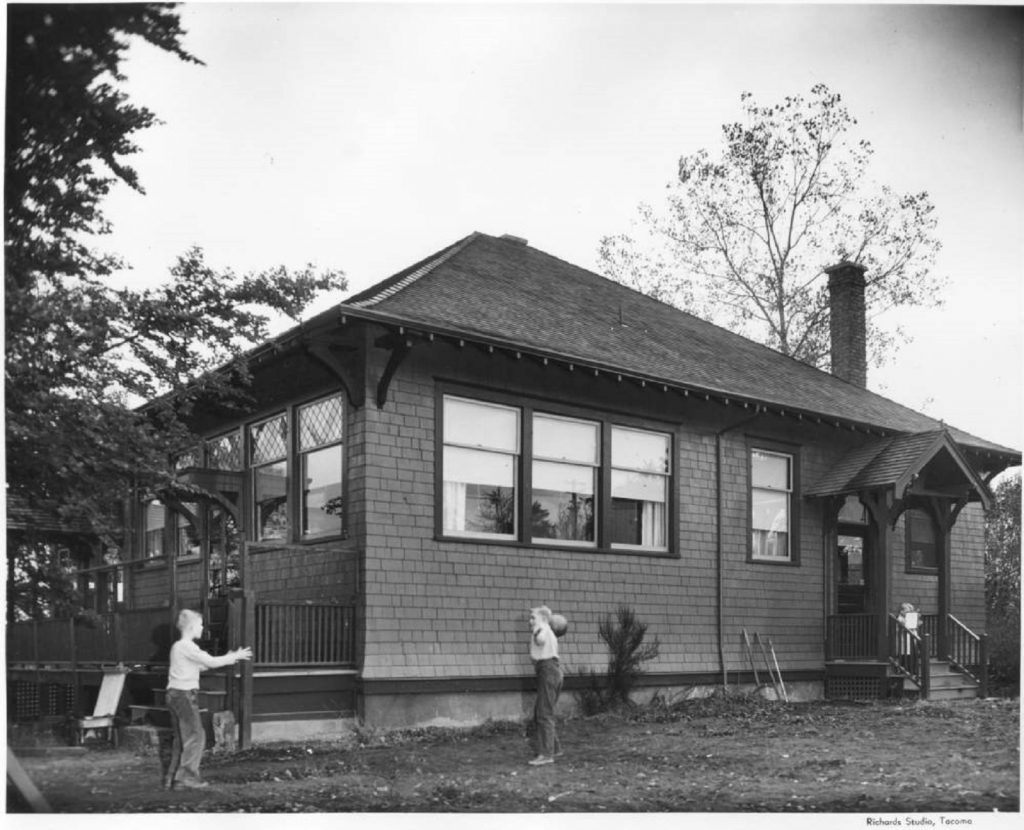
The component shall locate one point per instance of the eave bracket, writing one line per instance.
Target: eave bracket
(347, 363)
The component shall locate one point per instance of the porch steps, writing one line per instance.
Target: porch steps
(947, 683)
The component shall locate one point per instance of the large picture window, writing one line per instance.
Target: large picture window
(922, 546)
(771, 489)
(590, 483)
(565, 464)
(481, 451)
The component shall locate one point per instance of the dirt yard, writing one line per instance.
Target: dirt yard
(718, 755)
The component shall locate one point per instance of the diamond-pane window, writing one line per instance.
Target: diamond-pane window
(320, 423)
(269, 440)
(224, 452)
(189, 458)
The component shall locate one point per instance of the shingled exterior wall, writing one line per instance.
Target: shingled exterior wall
(444, 618)
(442, 622)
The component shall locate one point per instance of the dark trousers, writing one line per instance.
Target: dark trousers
(189, 735)
(549, 686)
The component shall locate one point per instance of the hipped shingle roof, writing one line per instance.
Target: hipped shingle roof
(502, 288)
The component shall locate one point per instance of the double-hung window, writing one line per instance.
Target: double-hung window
(922, 546)
(481, 461)
(155, 519)
(771, 494)
(187, 541)
(566, 455)
(268, 457)
(641, 465)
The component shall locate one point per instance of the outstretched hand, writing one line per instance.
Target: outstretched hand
(244, 653)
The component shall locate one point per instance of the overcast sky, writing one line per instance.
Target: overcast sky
(365, 137)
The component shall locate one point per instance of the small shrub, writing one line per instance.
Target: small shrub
(1004, 656)
(624, 636)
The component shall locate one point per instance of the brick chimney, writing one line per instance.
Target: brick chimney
(847, 324)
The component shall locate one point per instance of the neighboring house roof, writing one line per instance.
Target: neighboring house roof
(896, 462)
(21, 517)
(501, 289)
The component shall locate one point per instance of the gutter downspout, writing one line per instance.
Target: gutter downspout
(719, 554)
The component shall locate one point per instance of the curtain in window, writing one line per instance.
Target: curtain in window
(454, 505)
(652, 522)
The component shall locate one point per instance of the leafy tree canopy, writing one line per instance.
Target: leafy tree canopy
(1002, 561)
(744, 234)
(80, 351)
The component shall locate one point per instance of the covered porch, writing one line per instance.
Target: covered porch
(303, 667)
(917, 484)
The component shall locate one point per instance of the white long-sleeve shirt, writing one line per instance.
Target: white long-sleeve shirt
(188, 660)
(543, 642)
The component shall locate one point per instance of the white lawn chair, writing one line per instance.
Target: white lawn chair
(104, 716)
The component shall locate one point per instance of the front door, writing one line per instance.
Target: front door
(853, 570)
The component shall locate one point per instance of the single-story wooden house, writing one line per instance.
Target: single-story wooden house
(493, 428)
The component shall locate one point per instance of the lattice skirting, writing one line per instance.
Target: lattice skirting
(34, 700)
(854, 687)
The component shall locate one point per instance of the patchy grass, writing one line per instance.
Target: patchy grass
(723, 753)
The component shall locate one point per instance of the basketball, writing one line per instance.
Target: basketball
(559, 624)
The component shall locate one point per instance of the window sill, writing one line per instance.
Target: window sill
(791, 563)
(574, 549)
(277, 544)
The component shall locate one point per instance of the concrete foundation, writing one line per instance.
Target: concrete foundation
(320, 729)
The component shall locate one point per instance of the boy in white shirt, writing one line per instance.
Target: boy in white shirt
(544, 653)
(187, 661)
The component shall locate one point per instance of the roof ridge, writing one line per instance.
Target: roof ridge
(938, 423)
(392, 285)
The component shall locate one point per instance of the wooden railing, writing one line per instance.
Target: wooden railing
(126, 637)
(910, 653)
(303, 633)
(967, 652)
(284, 634)
(850, 637)
(928, 627)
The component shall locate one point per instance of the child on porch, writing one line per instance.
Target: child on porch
(908, 617)
(544, 653)
(187, 661)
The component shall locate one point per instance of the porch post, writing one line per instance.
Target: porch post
(249, 635)
(880, 508)
(881, 578)
(944, 586)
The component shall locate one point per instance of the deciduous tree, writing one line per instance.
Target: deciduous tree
(81, 353)
(745, 232)
(1002, 579)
